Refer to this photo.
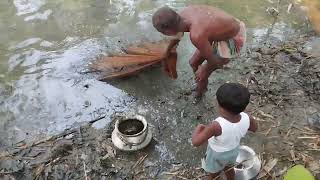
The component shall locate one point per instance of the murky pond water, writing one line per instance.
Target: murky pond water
(46, 45)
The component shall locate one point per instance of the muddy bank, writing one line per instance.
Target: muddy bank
(283, 78)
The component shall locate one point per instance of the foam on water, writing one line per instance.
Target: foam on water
(28, 6)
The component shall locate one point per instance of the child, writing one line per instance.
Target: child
(217, 35)
(223, 135)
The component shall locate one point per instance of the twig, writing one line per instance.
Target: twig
(289, 129)
(85, 171)
(304, 132)
(267, 133)
(270, 137)
(278, 124)
(296, 127)
(54, 161)
(288, 133)
(289, 143)
(308, 129)
(171, 173)
(308, 137)
(139, 161)
(267, 168)
(258, 119)
(265, 114)
(313, 149)
(182, 177)
(6, 173)
(201, 176)
(97, 119)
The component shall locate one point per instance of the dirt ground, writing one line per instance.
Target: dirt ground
(284, 79)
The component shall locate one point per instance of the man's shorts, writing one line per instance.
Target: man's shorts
(233, 47)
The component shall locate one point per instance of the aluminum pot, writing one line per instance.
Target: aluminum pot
(139, 138)
(133, 139)
(250, 162)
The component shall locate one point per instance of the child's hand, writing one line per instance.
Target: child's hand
(201, 126)
(202, 133)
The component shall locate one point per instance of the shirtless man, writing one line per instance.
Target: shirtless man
(217, 36)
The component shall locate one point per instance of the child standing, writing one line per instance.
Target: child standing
(223, 135)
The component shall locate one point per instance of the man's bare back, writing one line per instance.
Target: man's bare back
(214, 24)
(217, 36)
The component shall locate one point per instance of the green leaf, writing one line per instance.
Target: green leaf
(298, 172)
(194, 122)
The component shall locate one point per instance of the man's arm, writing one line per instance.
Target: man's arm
(203, 45)
(171, 45)
(202, 133)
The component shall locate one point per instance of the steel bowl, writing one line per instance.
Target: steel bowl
(139, 136)
(249, 162)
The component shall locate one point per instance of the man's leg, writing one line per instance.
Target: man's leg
(196, 60)
(229, 173)
(203, 84)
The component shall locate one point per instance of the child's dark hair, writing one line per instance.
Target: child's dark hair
(233, 97)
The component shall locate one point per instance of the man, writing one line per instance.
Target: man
(217, 36)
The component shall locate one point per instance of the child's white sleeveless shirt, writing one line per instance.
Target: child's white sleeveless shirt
(231, 133)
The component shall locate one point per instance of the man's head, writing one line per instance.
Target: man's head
(166, 21)
(233, 97)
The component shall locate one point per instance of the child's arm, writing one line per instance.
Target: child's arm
(202, 133)
(253, 124)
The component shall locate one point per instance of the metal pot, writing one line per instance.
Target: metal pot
(139, 138)
(251, 164)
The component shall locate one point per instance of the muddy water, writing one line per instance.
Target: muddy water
(46, 45)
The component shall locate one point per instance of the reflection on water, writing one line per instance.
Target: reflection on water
(44, 45)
